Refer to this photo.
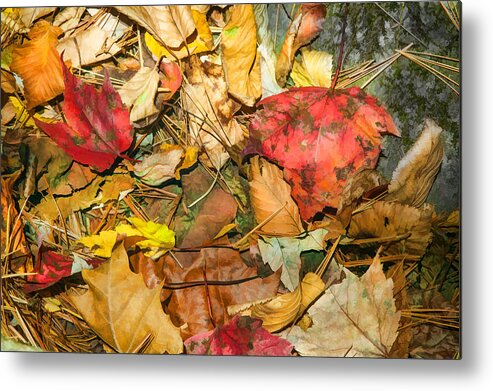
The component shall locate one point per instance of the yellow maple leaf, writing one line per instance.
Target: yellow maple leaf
(102, 244)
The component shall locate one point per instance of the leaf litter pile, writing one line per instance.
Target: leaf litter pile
(173, 184)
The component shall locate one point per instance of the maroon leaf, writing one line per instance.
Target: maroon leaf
(242, 336)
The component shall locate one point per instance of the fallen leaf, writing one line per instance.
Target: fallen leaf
(95, 43)
(37, 62)
(356, 318)
(305, 26)
(138, 93)
(98, 127)
(412, 179)
(270, 194)
(29, 15)
(168, 24)
(123, 311)
(158, 237)
(391, 220)
(101, 244)
(68, 18)
(297, 127)
(210, 112)
(278, 312)
(241, 336)
(172, 77)
(202, 307)
(285, 253)
(239, 54)
(314, 69)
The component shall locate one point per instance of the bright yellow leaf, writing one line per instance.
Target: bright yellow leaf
(315, 69)
(101, 245)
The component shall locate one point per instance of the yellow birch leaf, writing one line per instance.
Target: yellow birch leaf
(124, 312)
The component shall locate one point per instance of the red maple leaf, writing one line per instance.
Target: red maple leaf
(98, 126)
(320, 138)
(51, 267)
(241, 336)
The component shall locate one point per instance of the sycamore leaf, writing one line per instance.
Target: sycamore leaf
(98, 127)
(305, 26)
(168, 24)
(95, 43)
(162, 166)
(102, 244)
(240, 60)
(123, 311)
(393, 220)
(159, 238)
(241, 336)
(200, 306)
(412, 179)
(269, 193)
(280, 311)
(298, 127)
(314, 69)
(200, 43)
(356, 318)
(38, 63)
(138, 93)
(285, 253)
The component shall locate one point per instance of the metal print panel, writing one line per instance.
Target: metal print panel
(245, 179)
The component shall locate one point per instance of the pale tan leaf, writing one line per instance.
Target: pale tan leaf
(412, 179)
(38, 63)
(314, 69)
(356, 318)
(123, 311)
(139, 92)
(68, 18)
(168, 24)
(159, 167)
(30, 14)
(270, 193)
(241, 61)
(96, 43)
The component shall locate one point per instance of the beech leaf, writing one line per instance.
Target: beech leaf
(123, 311)
(241, 336)
(356, 318)
(98, 127)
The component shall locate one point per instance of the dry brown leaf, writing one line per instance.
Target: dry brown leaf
(138, 93)
(412, 179)
(123, 311)
(269, 193)
(30, 14)
(239, 55)
(210, 112)
(38, 63)
(191, 305)
(94, 43)
(7, 82)
(391, 220)
(280, 311)
(356, 318)
(168, 24)
(68, 18)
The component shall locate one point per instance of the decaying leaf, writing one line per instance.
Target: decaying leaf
(412, 179)
(217, 278)
(98, 127)
(285, 253)
(314, 69)
(356, 318)
(242, 335)
(168, 24)
(38, 63)
(240, 59)
(280, 311)
(210, 112)
(403, 228)
(270, 194)
(296, 129)
(124, 312)
(305, 26)
(138, 93)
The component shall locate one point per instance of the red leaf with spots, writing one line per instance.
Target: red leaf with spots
(320, 138)
(98, 127)
(241, 336)
(51, 267)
